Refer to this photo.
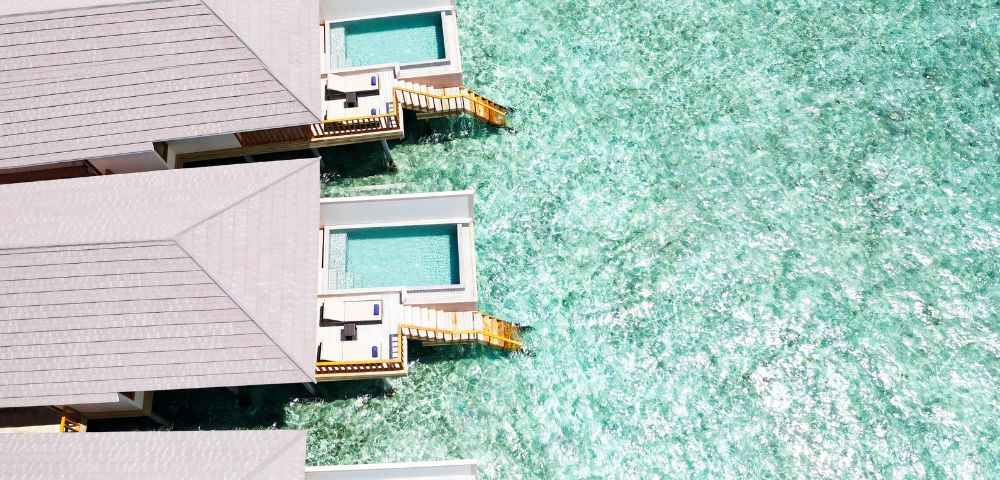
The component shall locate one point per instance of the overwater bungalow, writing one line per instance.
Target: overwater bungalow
(92, 87)
(114, 287)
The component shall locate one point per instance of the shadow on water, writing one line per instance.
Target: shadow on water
(251, 408)
(263, 406)
(454, 353)
(367, 159)
(362, 160)
(444, 129)
(354, 161)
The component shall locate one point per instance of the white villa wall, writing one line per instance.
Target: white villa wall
(392, 210)
(203, 144)
(122, 406)
(440, 76)
(139, 162)
(341, 10)
(444, 470)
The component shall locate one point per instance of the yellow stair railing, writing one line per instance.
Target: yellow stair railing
(70, 422)
(504, 335)
(478, 106)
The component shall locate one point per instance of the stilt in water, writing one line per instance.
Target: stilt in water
(389, 164)
(310, 388)
(158, 419)
(322, 161)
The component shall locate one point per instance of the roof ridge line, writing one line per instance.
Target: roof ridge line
(176, 240)
(267, 68)
(270, 459)
(309, 376)
(251, 194)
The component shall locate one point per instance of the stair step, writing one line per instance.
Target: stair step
(424, 99)
(432, 326)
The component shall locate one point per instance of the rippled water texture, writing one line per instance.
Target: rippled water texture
(753, 238)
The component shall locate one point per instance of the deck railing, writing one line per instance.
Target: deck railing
(510, 342)
(70, 422)
(477, 106)
(365, 366)
(464, 336)
(354, 125)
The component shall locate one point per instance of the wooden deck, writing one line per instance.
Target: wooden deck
(287, 146)
(431, 327)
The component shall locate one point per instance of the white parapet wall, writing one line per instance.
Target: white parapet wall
(394, 210)
(444, 470)
(342, 10)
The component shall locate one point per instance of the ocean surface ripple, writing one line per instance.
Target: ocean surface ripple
(754, 239)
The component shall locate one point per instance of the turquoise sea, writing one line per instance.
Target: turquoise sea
(753, 238)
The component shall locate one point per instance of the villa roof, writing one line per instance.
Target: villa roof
(86, 79)
(247, 454)
(155, 281)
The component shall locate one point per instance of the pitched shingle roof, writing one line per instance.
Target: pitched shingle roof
(95, 78)
(155, 281)
(248, 454)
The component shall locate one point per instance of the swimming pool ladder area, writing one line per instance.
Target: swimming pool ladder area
(338, 278)
(337, 46)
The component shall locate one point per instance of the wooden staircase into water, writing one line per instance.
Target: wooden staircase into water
(431, 102)
(431, 327)
(434, 327)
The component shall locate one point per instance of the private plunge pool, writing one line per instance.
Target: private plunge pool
(407, 256)
(403, 39)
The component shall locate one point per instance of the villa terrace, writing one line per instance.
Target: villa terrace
(394, 268)
(94, 87)
(378, 59)
(219, 277)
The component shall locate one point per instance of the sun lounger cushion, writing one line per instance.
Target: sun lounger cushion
(334, 310)
(363, 311)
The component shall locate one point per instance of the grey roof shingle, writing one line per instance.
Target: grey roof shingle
(159, 280)
(286, 36)
(94, 78)
(247, 454)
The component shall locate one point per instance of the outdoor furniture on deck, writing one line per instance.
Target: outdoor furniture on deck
(330, 349)
(349, 333)
(362, 83)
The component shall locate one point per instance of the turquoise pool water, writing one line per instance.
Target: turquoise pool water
(411, 256)
(402, 39)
